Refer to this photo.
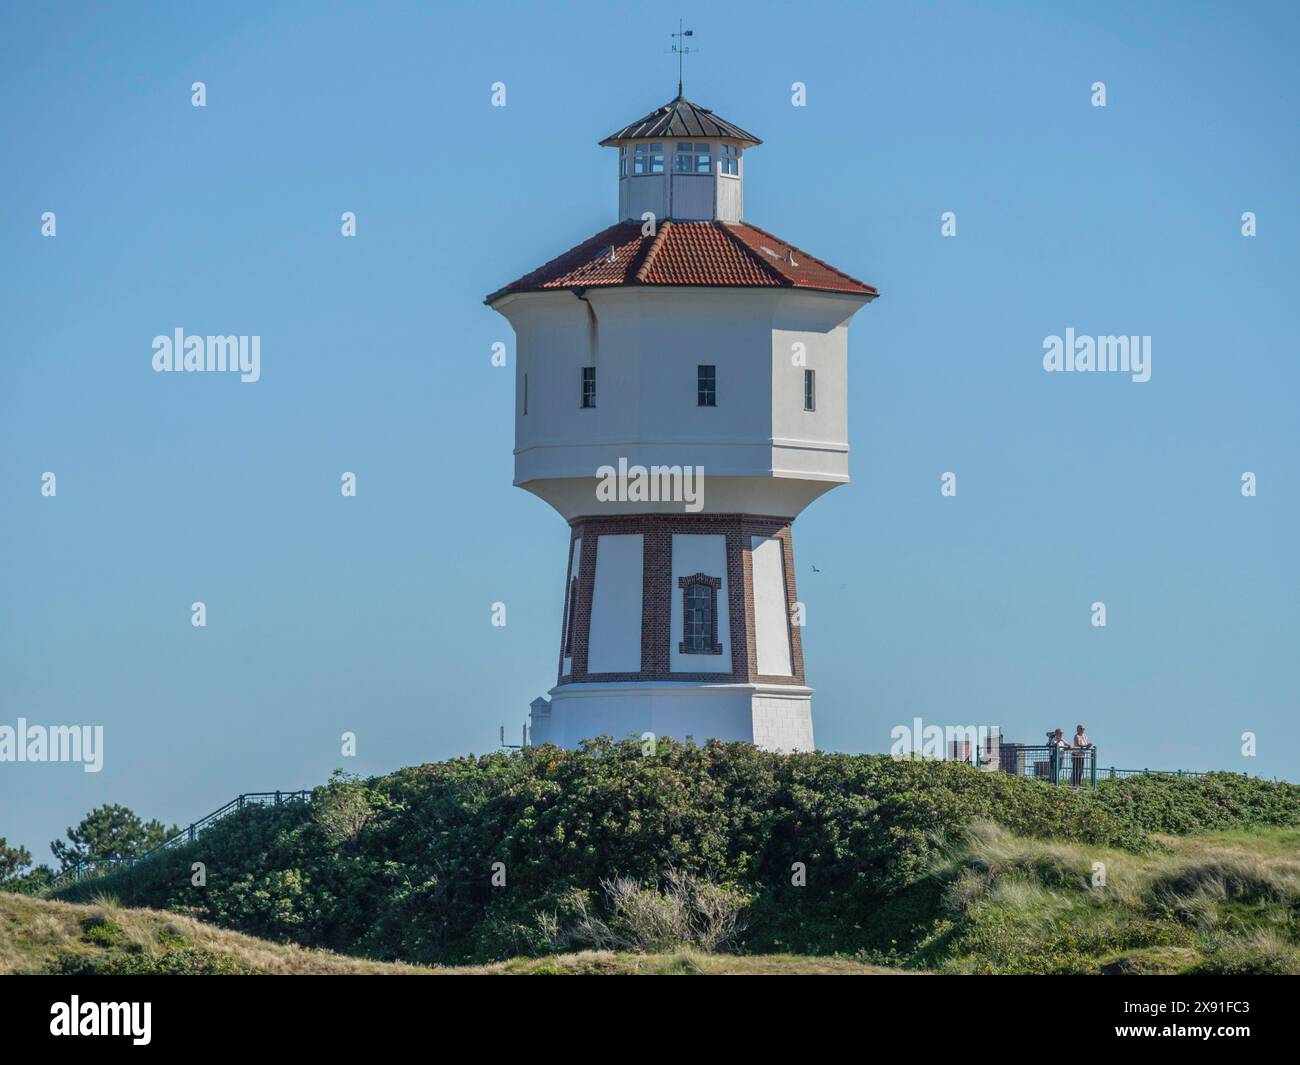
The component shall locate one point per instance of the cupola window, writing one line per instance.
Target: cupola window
(691, 159)
(649, 159)
(729, 163)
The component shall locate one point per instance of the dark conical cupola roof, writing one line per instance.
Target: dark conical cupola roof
(679, 118)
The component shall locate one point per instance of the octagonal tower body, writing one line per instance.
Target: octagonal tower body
(681, 384)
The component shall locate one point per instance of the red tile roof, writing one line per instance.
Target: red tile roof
(720, 254)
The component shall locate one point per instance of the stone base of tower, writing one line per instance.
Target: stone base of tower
(775, 717)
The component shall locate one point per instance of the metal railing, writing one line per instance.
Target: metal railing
(1073, 766)
(1111, 773)
(94, 867)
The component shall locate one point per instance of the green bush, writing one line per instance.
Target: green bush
(1215, 802)
(103, 933)
(168, 963)
(400, 867)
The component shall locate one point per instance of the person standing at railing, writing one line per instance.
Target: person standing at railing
(1082, 745)
(1057, 747)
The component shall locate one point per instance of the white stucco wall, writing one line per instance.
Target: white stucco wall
(708, 555)
(798, 434)
(614, 643)
(771, 609)
(646, 344)
(777, 718)
(783, 722)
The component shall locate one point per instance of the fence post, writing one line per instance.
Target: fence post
(1094, 769)
(241, 802)
(191, 833)
(277, 797)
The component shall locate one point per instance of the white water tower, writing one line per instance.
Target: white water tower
(687, 339)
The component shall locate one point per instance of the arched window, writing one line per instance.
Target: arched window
(699, 615)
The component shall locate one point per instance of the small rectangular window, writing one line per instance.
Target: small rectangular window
(706, 386)
(525, 393)
(810, 390)
(622, 161)
(589, 386)
(729, 163)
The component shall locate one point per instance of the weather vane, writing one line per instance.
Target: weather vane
(679, 46)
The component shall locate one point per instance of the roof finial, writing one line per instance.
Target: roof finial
(679, 46)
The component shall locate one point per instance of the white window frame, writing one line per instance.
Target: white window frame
(692, 157)
(648, 160)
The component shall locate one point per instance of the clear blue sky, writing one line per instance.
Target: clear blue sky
(372, 614)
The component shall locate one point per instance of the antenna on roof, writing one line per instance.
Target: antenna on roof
(679, 46)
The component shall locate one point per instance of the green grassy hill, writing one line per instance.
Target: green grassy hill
(45, 936)
(38, 936)
(1224, 903)
(928, 865)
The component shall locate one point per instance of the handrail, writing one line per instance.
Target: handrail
(1111, 773)
(93, 866)
(1050, 762)
(1057, 764)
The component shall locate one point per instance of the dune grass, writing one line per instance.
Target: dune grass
(1219, 903)
(42, 936)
